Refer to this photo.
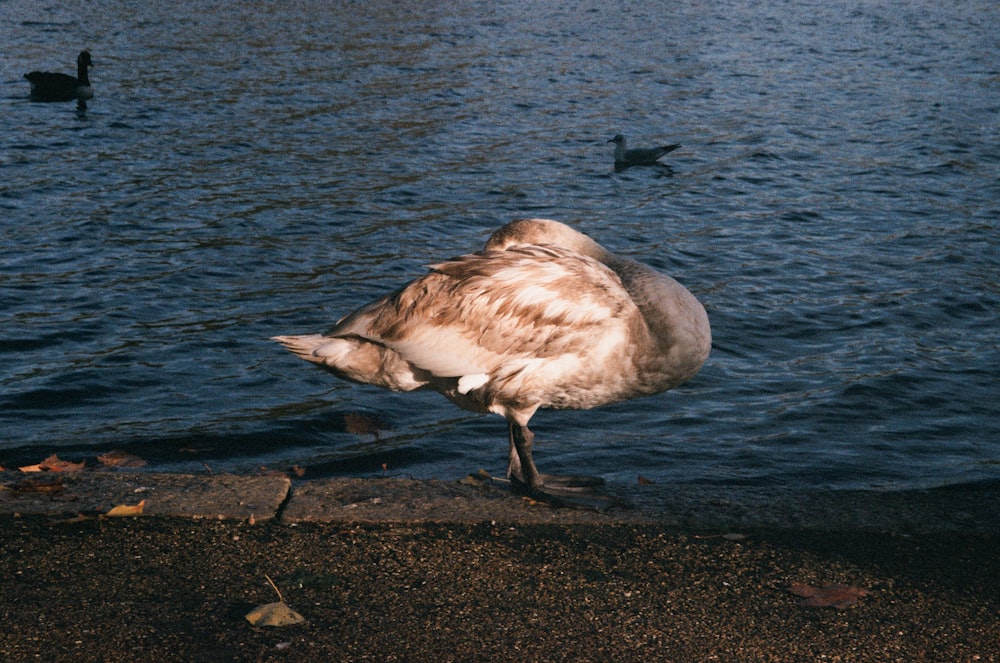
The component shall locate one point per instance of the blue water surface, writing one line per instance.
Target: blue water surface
(258, 168)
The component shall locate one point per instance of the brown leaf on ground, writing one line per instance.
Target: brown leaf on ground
(274, 614)
(119, 458)
(54, 464)
(126, 510)
(827, 596)
(480, 478)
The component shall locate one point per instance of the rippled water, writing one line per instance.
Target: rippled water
(249, 169)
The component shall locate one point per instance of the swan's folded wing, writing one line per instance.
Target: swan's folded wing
(480, 313)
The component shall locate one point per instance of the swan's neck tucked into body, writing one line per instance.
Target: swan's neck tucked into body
(680, 337)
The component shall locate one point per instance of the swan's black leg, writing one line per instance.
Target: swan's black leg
(572, 492)
(522, 466)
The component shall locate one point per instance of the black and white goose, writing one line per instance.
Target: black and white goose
(640, 156)
(47, 86)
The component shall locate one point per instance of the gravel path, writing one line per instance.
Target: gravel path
(172, 589)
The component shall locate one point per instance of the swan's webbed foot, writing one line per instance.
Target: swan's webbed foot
(576, 492)
(571, 482)
(570, 492)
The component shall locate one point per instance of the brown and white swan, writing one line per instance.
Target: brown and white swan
(542, 317)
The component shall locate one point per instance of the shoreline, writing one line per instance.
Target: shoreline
(968, 508)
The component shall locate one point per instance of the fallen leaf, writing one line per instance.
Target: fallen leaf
(643, 481)
(478, 479)
(119, 458)
(54, 464)
(827, 596)
(126, 510)
(274, 614)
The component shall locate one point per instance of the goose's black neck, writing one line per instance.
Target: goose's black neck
(82, 65)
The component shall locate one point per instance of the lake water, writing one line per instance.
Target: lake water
(258, 168)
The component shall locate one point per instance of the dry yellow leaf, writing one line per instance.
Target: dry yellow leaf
(54, 464)
(127, 510)
(274, 614)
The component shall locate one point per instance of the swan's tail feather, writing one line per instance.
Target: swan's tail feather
(356, 360)
(305, 347)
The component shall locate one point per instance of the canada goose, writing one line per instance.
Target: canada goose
(46, 86)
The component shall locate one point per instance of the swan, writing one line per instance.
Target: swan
(46, 86)
(542, 317)
(625, 158)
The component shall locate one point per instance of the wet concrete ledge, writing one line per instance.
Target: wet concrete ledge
(969, 509)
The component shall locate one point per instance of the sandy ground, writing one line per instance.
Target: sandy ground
(540, 584)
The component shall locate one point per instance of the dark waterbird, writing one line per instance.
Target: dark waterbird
(640, 156)
(47, 86)
(543, 317)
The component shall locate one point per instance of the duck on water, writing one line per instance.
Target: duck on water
(542, 317)
(48, 86)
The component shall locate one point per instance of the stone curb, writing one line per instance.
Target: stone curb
(969, 509)
(222, 496)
